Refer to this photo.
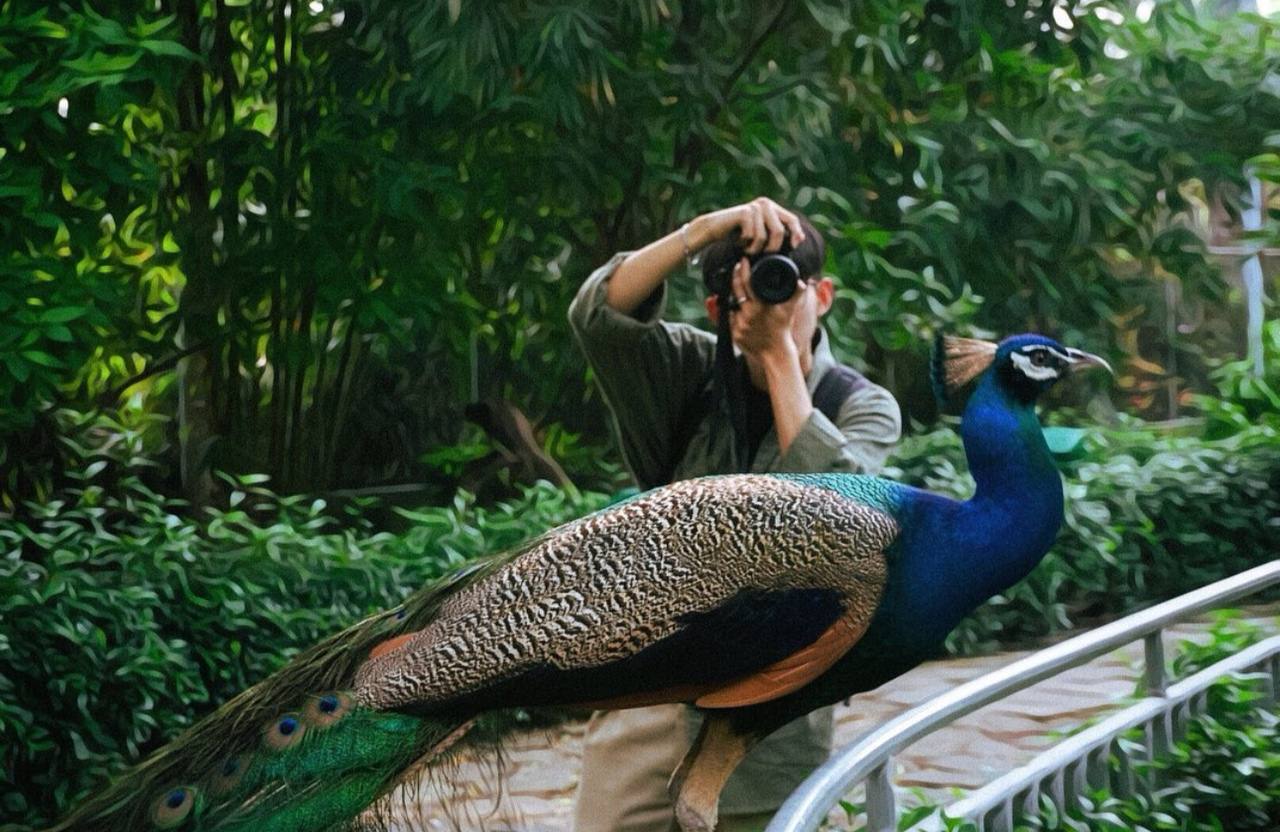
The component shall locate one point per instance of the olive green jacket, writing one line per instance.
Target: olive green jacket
(651, 371)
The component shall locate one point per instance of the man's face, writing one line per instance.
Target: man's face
(807, 306)
(814, 301)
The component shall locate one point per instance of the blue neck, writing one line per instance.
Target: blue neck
(956, 555)
(1014, 515)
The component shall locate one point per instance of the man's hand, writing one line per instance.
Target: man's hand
(762, 330)
(761, 224)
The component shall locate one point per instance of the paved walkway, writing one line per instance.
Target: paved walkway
(541, 768)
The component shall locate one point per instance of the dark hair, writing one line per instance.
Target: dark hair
(809, 255)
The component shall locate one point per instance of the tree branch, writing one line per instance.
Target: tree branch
(163, 365)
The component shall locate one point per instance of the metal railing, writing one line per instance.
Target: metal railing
(1066, 770)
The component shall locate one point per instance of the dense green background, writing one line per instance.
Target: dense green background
(256, 257)
(352, 218)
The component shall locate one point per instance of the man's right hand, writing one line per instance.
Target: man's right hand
(760, 223)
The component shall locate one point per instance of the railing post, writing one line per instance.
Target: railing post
(1003, 821)
(1097, 768)
(1154, 675)
(1160, 730)
(882, 811)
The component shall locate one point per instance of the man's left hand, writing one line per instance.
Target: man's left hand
(762, 330)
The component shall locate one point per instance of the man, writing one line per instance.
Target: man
(658, 381)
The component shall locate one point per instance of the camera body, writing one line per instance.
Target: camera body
(774, 276)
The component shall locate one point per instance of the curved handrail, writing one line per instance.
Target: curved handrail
(809, 804)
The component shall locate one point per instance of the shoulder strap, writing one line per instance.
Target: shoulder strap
(836, 385)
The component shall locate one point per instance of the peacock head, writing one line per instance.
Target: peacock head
(1025, 366)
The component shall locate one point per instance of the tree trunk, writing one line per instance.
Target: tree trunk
(197, 302)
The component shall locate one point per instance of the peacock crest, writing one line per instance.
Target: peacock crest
(957, 361)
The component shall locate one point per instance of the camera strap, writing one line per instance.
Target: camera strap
(730, 391)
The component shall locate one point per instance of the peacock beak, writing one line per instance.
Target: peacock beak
(1081, 360)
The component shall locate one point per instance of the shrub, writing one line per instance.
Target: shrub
(124, 619)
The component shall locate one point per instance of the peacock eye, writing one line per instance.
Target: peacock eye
(229, 774)
(285, 732)
(173, 807)
(1039, 358)
(326, 709)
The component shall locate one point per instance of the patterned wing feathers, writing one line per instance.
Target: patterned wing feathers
(613, 586)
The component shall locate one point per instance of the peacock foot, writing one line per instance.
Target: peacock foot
(695, 786)
(693, 816)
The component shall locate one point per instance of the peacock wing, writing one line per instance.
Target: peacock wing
(685, 592)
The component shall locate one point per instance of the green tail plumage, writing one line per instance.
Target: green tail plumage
(291, 754)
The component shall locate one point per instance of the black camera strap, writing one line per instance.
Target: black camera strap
(731, 393)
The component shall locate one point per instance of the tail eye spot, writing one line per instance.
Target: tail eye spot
(327, 709)
(173, 807)
(285, 731)
(229, 775)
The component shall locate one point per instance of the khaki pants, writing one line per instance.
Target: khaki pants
(628, 757)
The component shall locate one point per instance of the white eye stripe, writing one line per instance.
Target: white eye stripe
(1046, 348)
(1031, 371)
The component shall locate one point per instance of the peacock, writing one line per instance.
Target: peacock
(754, 597)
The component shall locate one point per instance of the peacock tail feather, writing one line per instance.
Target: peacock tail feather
(293, 753)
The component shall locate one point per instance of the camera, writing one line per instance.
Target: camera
(774, 275)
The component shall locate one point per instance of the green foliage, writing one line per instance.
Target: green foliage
(80, 251)
(122, 619)
(1245, 398)
(1150, 514)
(357, 215)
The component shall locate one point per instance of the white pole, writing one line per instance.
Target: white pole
(1251, 269)
(1251, 275)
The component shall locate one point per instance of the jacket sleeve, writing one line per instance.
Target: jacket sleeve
(648, 370)
(866, 429)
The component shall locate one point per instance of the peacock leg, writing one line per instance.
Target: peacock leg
(696, 784)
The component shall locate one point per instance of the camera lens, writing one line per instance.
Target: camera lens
(774, 278)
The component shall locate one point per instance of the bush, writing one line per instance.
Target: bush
(1150, 514)
(123, 619)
